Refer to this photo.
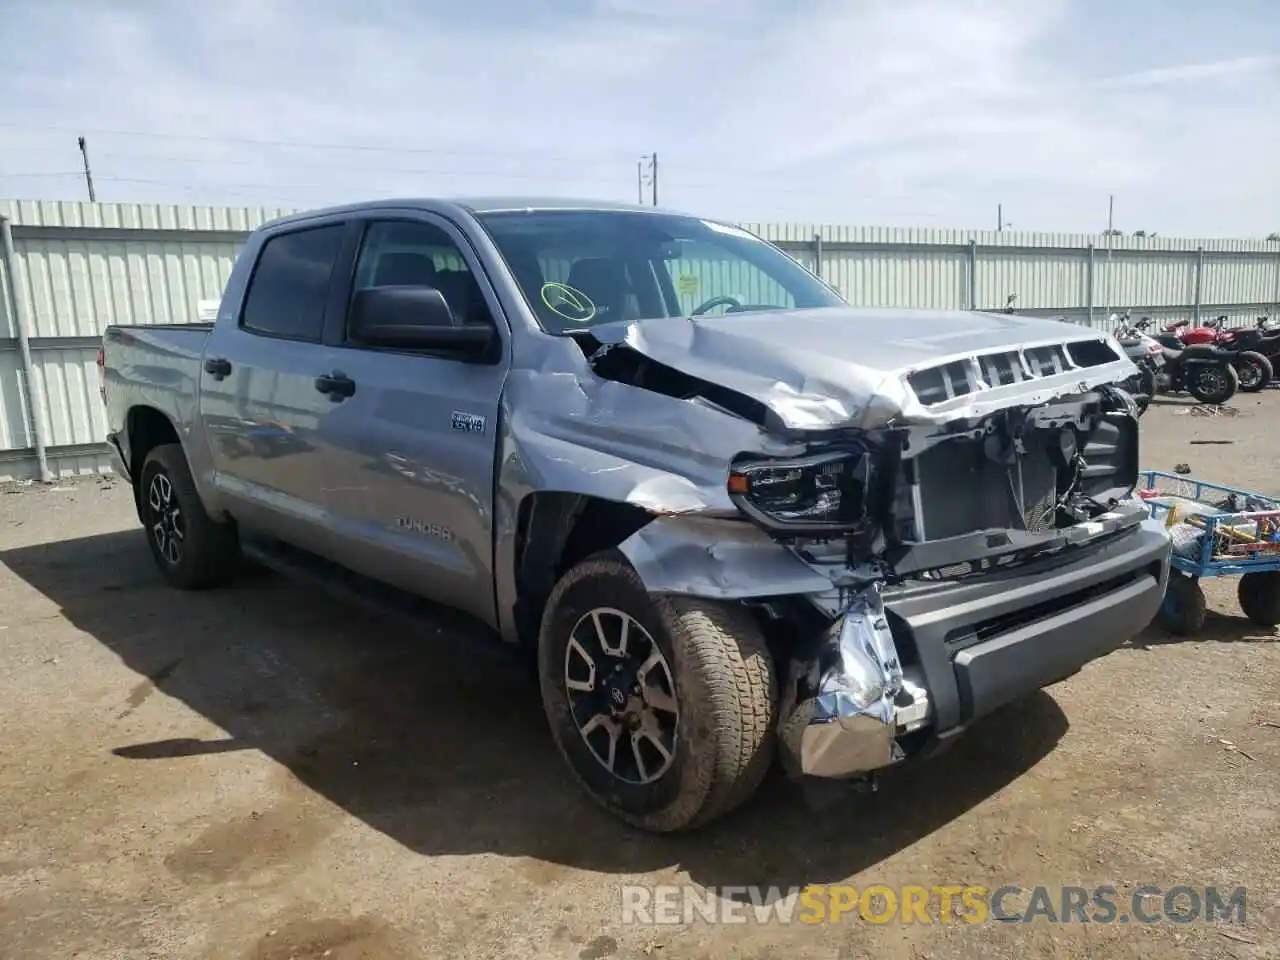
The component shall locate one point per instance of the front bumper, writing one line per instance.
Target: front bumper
(941, 655)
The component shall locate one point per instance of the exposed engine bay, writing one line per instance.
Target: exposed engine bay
(935, 505)
(938, 501)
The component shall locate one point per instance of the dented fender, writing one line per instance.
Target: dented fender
(566, 430)
(719, 559)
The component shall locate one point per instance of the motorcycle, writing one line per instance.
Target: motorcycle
(1148, 356)
(1253, 365)
(1166, 365)
(1260, 339)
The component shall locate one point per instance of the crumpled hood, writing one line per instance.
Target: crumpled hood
(835, 367)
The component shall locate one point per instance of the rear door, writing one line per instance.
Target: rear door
(411, 473)
(260, 407)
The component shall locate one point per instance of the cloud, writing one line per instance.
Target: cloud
(1240, 66)
(925, 112)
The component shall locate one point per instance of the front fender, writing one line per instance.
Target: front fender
(718, 558)
(572, 432)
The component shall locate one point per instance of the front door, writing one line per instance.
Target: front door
(259, 406)
(411, 472)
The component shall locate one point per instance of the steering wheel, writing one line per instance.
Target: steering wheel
(706, 305)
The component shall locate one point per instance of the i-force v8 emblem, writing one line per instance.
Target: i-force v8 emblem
(468, 422)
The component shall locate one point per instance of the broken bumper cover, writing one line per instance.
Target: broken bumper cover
(977, 646)
(840, 711)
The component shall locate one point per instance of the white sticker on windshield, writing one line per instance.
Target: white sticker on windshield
(729, 231)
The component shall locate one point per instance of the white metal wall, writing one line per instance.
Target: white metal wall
(81, 266)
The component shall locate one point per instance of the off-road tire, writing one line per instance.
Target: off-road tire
(209, 550)
(1214, 396)
(1259, 597)
(725, 688)
(1261, 364)
(1184, 610)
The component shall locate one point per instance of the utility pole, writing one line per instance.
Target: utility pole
(652, 160)
(88, 174)
(999, 217)
(1111, 221)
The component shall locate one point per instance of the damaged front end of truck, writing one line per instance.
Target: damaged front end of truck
(820, 488)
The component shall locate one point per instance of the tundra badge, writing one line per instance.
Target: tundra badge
(468, 422)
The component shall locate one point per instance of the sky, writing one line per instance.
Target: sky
(929, 113)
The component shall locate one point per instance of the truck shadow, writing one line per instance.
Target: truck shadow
(448, 753)
(1218, 628)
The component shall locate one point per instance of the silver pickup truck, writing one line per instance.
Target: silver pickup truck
(731, 516)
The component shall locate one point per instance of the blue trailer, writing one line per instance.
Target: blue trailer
(1217, 531)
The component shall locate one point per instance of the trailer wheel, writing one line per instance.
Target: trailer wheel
(1254, 371)
(663, 707)
(191, 549)
(1183, 611)
(1259, 596)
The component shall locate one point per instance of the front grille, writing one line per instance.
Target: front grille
(934, 385)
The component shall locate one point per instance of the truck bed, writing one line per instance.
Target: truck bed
(155, 365)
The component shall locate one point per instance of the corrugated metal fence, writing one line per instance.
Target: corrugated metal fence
(81, 266)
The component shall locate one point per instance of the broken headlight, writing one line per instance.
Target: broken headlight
(816, 494)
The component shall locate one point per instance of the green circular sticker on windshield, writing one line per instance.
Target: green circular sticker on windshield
(568, 302)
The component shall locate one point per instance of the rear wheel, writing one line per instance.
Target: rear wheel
(663, 707)
(1147, 382)
(1259, 597)
(1212, 383)
(191, 549)
(1144, 388)
(1254, 371)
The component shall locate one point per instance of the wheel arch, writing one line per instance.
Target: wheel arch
(554, 531)
(146, 428)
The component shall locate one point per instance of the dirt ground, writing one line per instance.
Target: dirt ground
(261, 772)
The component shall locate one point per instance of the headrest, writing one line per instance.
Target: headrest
(600, 278)
(405, 269)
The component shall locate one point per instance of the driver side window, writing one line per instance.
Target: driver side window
(704, 272)
(400, 252)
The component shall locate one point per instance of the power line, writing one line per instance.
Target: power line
(295, 144)
(312, 193)
(351, 168)
(764, 184)
(72, 173)
(580, 160)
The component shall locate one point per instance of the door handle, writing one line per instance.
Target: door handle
(217, 367)
(337, 385)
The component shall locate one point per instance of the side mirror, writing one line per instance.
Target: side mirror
(413, 318)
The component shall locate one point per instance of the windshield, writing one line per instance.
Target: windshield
(579, 268)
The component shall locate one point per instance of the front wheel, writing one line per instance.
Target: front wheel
(664, 707)
(191, 549)
(1212, 383)
(1254, 371)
